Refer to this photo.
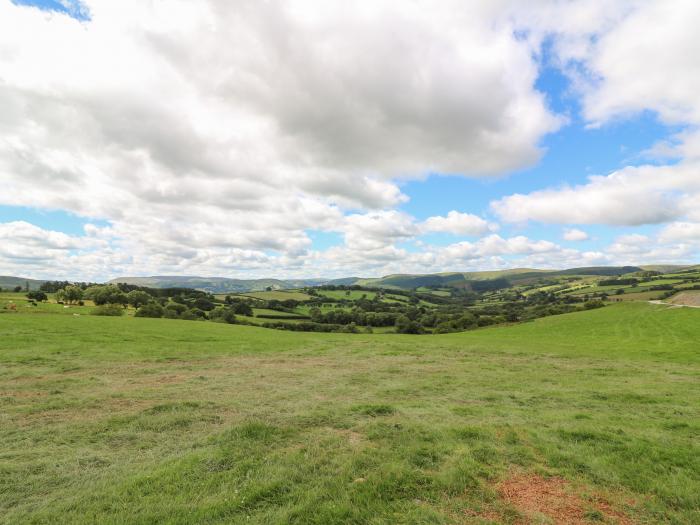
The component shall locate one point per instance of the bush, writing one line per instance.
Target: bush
(108, 309)
(150, 310)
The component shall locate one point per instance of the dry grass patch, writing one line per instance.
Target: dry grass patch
(553, 500)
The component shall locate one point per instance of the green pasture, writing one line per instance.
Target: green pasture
(134, 420)
(279, 295)
(351, 295)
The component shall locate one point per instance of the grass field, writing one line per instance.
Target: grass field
(347, 294)
(279, 295)
(595, 415)
(264, 312)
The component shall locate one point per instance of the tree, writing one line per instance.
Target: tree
(53, 286)
(70, 294)
(243, 308)
(109, 294)
(204, 304)
(226, 315)
(137, 298)
(18, 289)
(179, 309)
(316, 315)
(37, 296)
(150, 310)
(405, 326)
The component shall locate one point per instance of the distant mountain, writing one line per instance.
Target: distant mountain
(462, 279)
(396, 281)
(8, 283)
(218, 284)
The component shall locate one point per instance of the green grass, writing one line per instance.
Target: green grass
(637, 296)
(351, 295)
(132, 420)
(23, 305)
(279, 295)
(265, 312)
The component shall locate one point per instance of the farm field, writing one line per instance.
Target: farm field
(279, 295)
(348, 294)
(691, 298)
(136, 420)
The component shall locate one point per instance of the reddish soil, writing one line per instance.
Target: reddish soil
(553, 500)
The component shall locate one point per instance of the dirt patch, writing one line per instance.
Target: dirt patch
(554, 500)
(353, 438)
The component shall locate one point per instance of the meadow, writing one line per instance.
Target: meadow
(589, 417)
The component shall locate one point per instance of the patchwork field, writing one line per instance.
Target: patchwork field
(591, 417)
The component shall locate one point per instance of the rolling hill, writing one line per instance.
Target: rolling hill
(396, 281)
(8, 282)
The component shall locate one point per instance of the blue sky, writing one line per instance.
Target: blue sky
(147, 159)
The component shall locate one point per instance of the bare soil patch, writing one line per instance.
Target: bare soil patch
(554, 500)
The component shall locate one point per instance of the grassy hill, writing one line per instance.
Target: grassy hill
(8, 283)
(132, 420)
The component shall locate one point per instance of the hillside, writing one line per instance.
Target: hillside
(8, 283)
(514, 276)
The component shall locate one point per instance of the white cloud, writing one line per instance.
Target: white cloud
(650, 60)
(573, 235)
(214, 125)
(213, 136)
(631, 196)
(624, 58)
(378, 230)
(458, 224)
(681, 232)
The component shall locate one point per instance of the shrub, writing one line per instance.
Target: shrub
(150, 310)
(108, 309)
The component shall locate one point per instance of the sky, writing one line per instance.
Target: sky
(325, 138)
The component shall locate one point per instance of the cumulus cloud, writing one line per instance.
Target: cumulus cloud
(681, 231)
(632, 64)
(244, 125)
(573, 235)
(214, 136)
(631, 196)
(458, 223)
(620, 58)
